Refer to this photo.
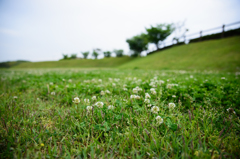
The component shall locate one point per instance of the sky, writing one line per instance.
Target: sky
(43, 30)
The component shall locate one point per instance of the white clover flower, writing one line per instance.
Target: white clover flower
(223, 78)
(67, 86)
(191, 76)
(116, 79)
(69, 80)
(154, 109)
(108, 92)
(38, 98)
(159, 120)
(171, 105)
(89, 108)
(137, 97)
(161, 82)
(154, 92)
(173, 96)
(146, 101)
(86, 100)
(102, 93)
(132, 96)
(230, 110)
(124, 85)
(15, 97)
(51, 83)
(63, 79)
(114, 84)
(147, 95)
(99, 104)
(125, 89)
(76, 100)
(110, 79)
(111, 107)
(149, 105)
(155, 78)
(94, 97)
(135, 90)
(53, 93)
(99, 80)
(152, 89)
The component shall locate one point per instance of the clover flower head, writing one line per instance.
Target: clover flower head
(111, 107)
(147, 95)
(63, 79)
(86, 100)
(94, 97)
(15, 97)
(174, 96)
(149, 105)
(76, 100)
(108, 92)
(102, 93)
(223, 78)
(89, 108)
(171, 105)
(154, 109)
(137, 97)
(99, 104)
(146, 101)
(116, 79)
(69, 80)
(132, 96)
(53, 93)
(110, 79)
(124, 85)
(125, 89)
(159, 120)
(51, 83)
(152, 89)
(114, 84)
(99, 80)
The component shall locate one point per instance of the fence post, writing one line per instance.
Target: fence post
(223, 30)
(200, 38)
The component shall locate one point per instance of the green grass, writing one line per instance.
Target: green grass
(82, 63)
(38, 118)
(218, 55)
(221, 55)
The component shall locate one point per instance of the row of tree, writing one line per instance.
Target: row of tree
(155, 34)
(95, 53)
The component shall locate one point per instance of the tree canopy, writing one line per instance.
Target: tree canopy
(159, 33)
(138, 43)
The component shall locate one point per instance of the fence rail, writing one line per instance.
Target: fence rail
(199, 37)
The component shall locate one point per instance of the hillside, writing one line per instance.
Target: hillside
(222, 55)
(82, 63)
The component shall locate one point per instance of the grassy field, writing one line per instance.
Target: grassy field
(83, 63)
(219, 55)
(119, 114)
(222, 55)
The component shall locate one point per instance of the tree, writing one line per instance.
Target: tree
(95, 54)
(159, 33)
(138, 44)
(65, 56)
(85, 54)
(107, 54)
(119, 53)
(73, 56)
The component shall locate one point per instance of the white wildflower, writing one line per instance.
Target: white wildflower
(15, 97)
(51, 83)
(171, 105)
(111, 107)
(154, 109)
(94, 97)
(223, 78)
(102, 93)
(137, 97)
(69, 80)
(125, 89)
(147, 95)
(99, 80)
(76, 100)
(63, 79)
(173, 96)
(86, 100)
(114, 84)
(159, 120)
(53, 93)
(108, 92)
(146, 101)
(99, 104)
(149, 105)
(89, 108)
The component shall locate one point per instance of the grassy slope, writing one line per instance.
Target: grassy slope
(223, 54)
(106, 62)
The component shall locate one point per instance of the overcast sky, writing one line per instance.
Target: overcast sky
(41, 30)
